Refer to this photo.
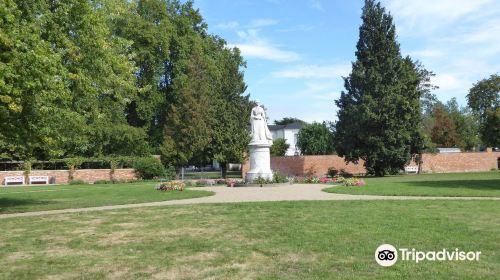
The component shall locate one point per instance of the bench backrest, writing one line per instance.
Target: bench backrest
(14, 179)
(411, 169)
(39, 178)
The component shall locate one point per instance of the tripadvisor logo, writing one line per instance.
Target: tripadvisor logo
(387, 255)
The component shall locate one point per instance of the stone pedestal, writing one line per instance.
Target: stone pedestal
(260, 161)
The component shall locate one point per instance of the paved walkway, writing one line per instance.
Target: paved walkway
(250, 194)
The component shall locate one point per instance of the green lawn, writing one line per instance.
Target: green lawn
(268, 240)
(36, 198)
(452, 184)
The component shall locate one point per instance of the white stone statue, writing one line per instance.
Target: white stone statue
(262, 139)
(260, 131)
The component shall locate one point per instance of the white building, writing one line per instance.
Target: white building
(288, 132)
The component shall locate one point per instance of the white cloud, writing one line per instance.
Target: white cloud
(428, 15)
(228, 25)
(427, 53)
(262, 22)
(314, 71)
(456, 39)
(265, 51)
(254, 46)
(298, 28)
(316, 4)
(450, 82)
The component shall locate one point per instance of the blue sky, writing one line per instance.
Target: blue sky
(297, 50)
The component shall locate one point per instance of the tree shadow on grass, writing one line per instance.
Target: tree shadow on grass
(492, 184)
(6, 203)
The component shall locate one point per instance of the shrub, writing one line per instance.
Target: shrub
(170, 173)
(205, 182)
(311, 180)
(149, 168)
(103, 182)
(332, 172)
(189, 183)
(279, 147)
(221, 181)
(77, 182)
(170, 186)
(260, 181)
(345, 174)
(279, 178)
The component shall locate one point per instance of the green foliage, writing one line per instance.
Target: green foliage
(170, 173)
(466, 125)
(118, 78)
(77, 182)
(490, 129)
(262, 181)
(279, 178)
(149, 168)
(103, 182)
(332, 172)
(27, 168)
(484, 95)
(279, 147)
(443, 133)
(289, 120)
(73, 163)
(484, 100)
(379, 113)
(315, 139)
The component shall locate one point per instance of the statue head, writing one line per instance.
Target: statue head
(258, 103)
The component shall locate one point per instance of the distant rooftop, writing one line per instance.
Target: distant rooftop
(449, 150)
(294, 125)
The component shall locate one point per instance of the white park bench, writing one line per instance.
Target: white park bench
(411, 169)
(39, 179)
(14, 179)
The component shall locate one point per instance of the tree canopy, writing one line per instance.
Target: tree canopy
(379, 116)
(118, 77)
(289, 120)
(484, 100)
(315, 139)
(279, 147)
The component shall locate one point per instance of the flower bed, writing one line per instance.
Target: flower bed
(351, 182)
(171, 186)
(348, 182)
(233, 182)
(212, 182)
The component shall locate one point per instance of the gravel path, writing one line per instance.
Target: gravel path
(250, 194)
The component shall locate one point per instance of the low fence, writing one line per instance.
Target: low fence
(86, 175)
(432, 163)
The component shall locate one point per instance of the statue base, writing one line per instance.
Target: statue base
(260, 162)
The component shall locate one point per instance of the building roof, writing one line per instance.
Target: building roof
(295, 125)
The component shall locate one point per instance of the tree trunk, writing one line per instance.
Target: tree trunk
(379, 172)
(223, 168)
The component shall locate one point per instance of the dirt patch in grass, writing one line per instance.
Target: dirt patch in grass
(17, 256)
(131, 225)
(118, 238)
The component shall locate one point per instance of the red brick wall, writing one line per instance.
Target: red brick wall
(460, 162)
(434, 163)
(86, 175)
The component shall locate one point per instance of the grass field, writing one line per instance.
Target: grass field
(273, 240)
(36, 198)
(456, 184)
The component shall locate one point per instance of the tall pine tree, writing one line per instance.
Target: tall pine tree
(379, 113)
